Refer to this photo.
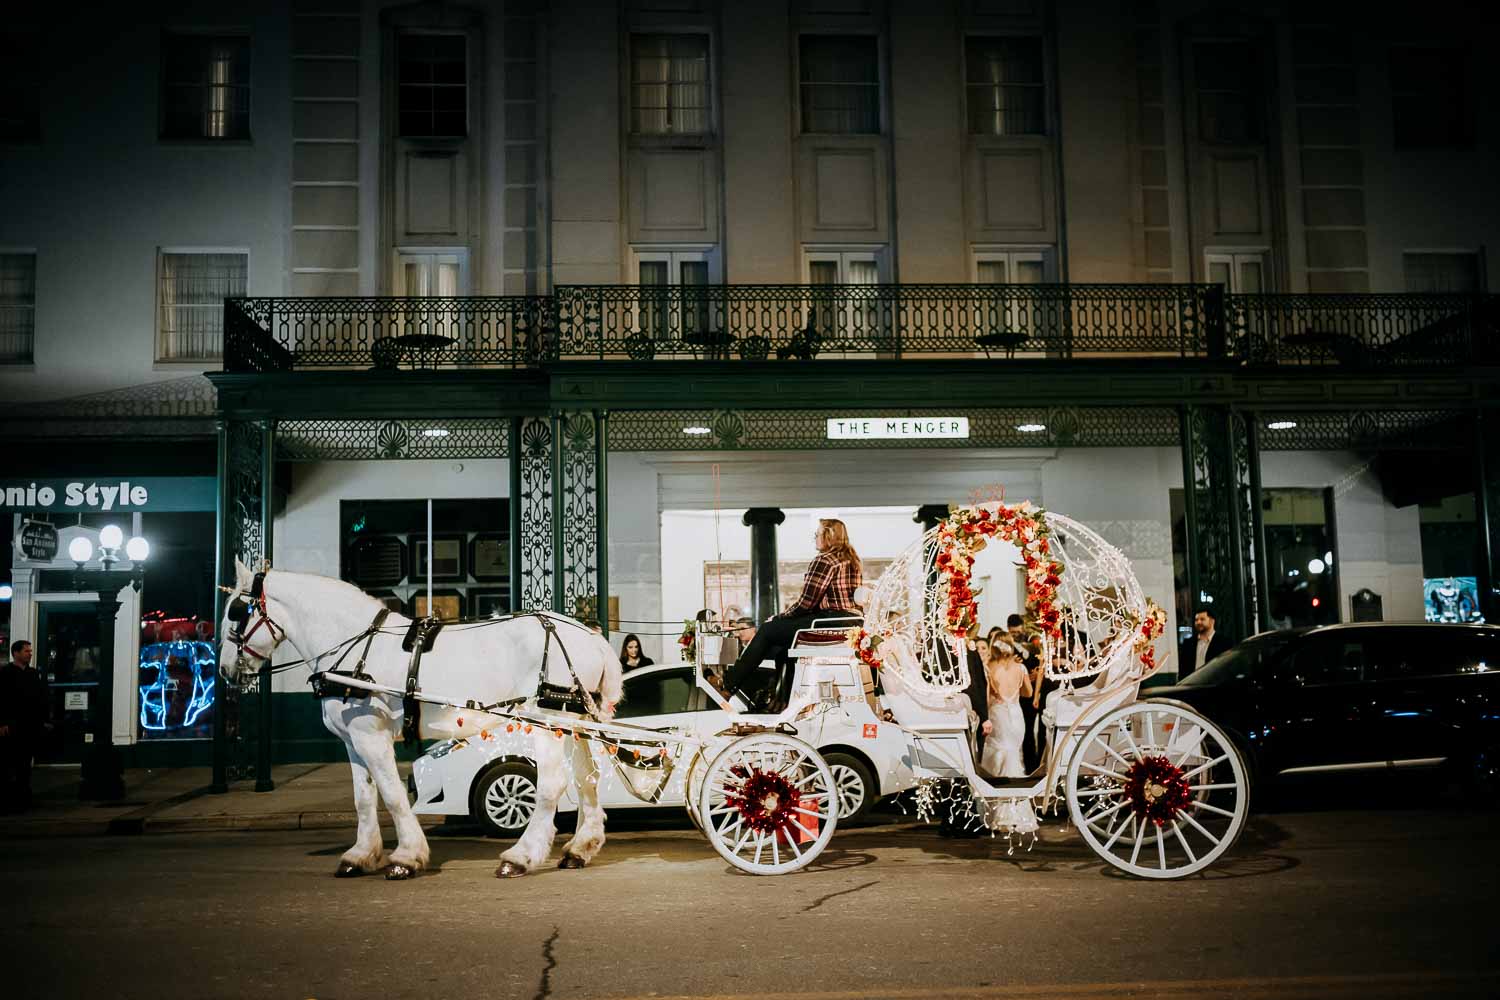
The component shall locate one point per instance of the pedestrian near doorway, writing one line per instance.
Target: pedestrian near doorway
(827, 592)
(1203, 645)
(23, 721)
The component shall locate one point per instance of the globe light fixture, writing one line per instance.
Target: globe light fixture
(697, 431)
(1031, 428)
(111, 537)
(6, 592)
(1282, 425)
(80, 550)
(1316, 566)
(137, 549)
(435, 432)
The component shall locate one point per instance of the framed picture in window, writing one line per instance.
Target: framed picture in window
(376, 561)
(489, 557)
(488, 601)
(447, 559)
(446, 604)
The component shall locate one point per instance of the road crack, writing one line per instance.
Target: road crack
(842, 892)
(544, 989)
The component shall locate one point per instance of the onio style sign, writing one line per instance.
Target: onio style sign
(101, 495)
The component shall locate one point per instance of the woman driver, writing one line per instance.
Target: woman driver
(827, 590)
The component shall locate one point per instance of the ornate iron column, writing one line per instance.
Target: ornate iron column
(580, 503)
(267, 431)
(532, 518)
(765, 584)
(1220, 498)
(1487, 497)
(243, 509)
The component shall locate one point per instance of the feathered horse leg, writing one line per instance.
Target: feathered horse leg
(551, 779)
(588, 839)
(364, 856)
(375, 739)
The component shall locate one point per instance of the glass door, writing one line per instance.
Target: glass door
(67, 654)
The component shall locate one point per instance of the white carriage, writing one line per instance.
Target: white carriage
(1154, 788)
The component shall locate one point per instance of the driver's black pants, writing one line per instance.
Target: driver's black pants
(771, 641)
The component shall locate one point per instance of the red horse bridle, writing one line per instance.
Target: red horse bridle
(241, 607)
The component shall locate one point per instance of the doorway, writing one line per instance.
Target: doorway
(67, 654)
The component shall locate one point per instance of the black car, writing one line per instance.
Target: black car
(1357, 697)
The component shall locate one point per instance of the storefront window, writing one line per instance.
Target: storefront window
(178, 662)
(1301, 557)
(1450, 546)
(385, 546)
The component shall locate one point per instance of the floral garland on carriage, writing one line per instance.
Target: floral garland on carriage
(961, 537)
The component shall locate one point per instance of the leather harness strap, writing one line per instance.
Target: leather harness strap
(323, 678)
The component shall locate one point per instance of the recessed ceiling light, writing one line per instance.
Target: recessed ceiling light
(435, 432)
(697, 431)
(1031, 428)
(1281, 425)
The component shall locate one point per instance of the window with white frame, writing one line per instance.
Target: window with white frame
(1241, 272)
(17, 307)
(1442, 271)
(433, 273)
(674, 280)
(845, 301)
(432, 77)
(669, 84)
(1002, 308)
(1006, 85)
(205, 85)
(840, 84)
(191, 287)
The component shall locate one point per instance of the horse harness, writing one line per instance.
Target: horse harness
(239, 612)
(420, 636)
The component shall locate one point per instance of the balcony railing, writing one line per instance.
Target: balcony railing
(809, 322)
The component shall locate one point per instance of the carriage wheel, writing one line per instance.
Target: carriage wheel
(768, 804)
(1157, 790)
(692, 787)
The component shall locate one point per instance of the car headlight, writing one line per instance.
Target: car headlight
(444, 748)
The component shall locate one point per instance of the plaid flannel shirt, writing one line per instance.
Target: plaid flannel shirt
(828, 586)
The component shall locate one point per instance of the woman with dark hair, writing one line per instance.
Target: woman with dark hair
(631, 657)
(827, 592)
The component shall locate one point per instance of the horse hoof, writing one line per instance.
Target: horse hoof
(346, 870)
(571, 861)
(510, 869)
(398, 873)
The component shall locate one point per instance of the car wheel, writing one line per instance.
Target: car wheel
(504, 798)
(856, 785)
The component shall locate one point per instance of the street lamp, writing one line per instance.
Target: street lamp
(103, 776)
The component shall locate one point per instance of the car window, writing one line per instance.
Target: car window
(1337, 658)
(657, 693)
(1248, 659)
(1434, 652)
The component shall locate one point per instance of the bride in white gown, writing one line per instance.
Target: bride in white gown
(1006, 682)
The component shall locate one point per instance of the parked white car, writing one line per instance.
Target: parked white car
(494, 780)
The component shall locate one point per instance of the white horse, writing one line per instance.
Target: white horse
(486, 664)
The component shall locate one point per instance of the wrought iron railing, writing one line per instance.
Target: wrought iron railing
(756, 322)
(1364, 330)
(807, 322)
(265, 334)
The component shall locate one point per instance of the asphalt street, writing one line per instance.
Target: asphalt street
(1333, 903)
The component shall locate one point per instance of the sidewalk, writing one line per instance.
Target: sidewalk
(177, 799)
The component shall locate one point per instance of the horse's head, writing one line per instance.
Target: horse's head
(251, 628)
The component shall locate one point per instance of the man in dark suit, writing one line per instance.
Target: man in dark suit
(1203, 645)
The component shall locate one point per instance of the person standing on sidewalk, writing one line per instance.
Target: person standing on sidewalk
(23, 719)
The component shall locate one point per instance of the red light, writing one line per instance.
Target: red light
(1317, 601)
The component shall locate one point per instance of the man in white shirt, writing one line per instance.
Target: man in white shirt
(1204, 644)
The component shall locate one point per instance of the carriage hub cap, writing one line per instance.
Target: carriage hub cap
(1156, 789)
(766, 801)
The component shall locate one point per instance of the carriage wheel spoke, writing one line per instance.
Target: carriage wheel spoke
(1213, 809)
(760, 845)
(744, 838)
(1090, 793)
(1191, 746)
(1183, 841)
(791, 841)
(1187, 818)
(1150, 718)
(1128, 821)
(1140, 836)
(1116, 775)
(1161, 850)
(1112, 751)
(775, 850)
(1204, 767)
(1213, 788)
(1092, 818)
